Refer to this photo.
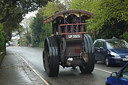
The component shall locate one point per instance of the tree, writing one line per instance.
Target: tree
(125, 36)
(12, 12)
(1, 39)
(52, 8)
(111, 11)
(11, 7)
(110, 17)
(36, 27)
(86, 5)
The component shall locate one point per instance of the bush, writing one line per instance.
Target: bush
(2, 41)
(125, 36)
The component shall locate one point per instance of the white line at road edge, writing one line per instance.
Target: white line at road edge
(103, 70)
(34, 71)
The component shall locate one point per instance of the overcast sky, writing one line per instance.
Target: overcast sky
(30, 14)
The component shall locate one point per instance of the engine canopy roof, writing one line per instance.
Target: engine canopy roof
(65, 14)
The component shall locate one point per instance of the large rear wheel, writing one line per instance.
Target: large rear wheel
(50, 57)
(88, 67)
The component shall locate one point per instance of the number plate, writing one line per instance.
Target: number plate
(73, 36)
(125, 59)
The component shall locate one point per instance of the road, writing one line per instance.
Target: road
(67, 76)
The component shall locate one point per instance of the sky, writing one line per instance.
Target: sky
(30, 14)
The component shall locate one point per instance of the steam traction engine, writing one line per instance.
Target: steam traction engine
(70, 45)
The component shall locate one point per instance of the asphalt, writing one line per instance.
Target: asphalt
(14, 71)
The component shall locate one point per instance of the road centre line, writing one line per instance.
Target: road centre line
(103, 70)
(34, 71)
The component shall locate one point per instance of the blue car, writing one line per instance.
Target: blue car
(119, 78)
(111, 51)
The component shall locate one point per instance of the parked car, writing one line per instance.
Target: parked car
(7, 44)
(111, 51)
(10, 43)
(119, 78)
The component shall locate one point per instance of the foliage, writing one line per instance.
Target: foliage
(110, 16)
(23, 41)
(39, 30)
(28, 39)
(82, 4)
(13, 11)
(19, 7)
(36, 27)
(1, 39)
(51, 8)
(125, 36)
(112, 11)
(111, 30)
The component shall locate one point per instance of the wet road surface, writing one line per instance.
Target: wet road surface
(14, 71)
(67, 76)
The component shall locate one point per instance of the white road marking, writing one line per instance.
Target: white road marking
(34, 71)
(103, 70)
